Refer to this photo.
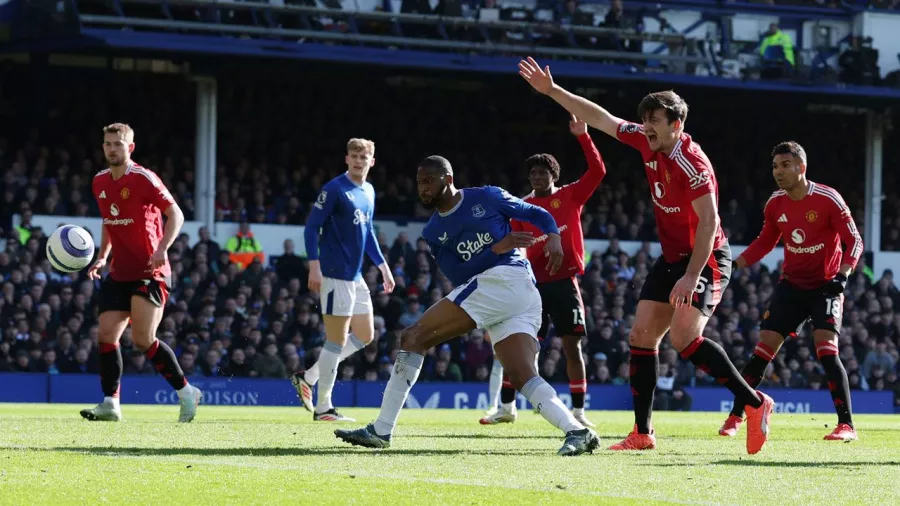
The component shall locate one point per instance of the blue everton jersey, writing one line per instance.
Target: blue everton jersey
(461, 239)
(339, 229)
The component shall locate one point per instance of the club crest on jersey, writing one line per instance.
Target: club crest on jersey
(811, 216)
(114, 210)
(668, 177)
(555, 203)
(124, 193)
(478, 211)
(320, 201)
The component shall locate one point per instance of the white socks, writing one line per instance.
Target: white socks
(406, 372)
(328, 361)
(539, 393)
(494, 383)
(353, 345)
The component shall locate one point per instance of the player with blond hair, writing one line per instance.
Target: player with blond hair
(132, 202)
(338, 234)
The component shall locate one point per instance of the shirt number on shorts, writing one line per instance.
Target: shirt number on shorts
(833, 307)
(577, 317)
(701, 285)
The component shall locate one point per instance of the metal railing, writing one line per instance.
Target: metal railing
(163, 23)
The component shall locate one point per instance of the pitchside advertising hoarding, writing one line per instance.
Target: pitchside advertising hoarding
(85, 389)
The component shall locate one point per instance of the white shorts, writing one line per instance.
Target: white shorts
(340, 297)
(502, 300)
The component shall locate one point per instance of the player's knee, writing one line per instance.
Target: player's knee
(142, 340)
(519, 377)
(411, 339)
(642, 337)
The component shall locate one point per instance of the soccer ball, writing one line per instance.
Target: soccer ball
(70, 248)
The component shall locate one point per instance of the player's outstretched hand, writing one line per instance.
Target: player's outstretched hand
(541, 80)
(554, 251)
(388, 278)
(512, 241)
(158, 259)
(683, 292)
(94, 271)
(577, 127)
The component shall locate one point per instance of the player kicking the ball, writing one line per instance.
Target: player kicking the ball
(813, 219)
(339, 232)
(685, 284)
(132, 201)
(560, 294)
(471, 238)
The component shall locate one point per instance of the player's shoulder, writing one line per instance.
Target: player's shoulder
(102, 176)
(336, 182)
(828, 195)
(776, 197)
(687, 152)
(139, 171)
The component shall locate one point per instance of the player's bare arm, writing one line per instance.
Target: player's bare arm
(708, 222)
(173, 227)
(102, 255)
(542, 81)
(554, 251)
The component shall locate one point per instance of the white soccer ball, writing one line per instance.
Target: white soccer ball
(70, 248)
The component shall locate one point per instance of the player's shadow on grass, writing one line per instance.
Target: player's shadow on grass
(279, 452)
(769, 463)
(480, 436)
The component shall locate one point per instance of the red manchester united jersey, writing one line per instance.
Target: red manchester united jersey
(676, 180)
(813, 228)
(565, 205)
(131, 208)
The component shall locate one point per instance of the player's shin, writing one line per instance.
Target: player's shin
(166, 364)
(110, 370)
(753, 372)
(644, 373)
(709, 357)
(494, 383)
(403, 377)
(353, 345)
(540, 394)
(328, 361)
(838, 384)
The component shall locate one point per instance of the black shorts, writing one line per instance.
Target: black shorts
(791, 307)
(713, 279)
(116, 295)
(562, 305)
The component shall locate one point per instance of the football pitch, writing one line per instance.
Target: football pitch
(262, 455)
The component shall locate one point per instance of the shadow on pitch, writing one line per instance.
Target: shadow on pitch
(788, 464)
(280, 452)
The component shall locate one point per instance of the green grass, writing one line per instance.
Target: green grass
(259, 455)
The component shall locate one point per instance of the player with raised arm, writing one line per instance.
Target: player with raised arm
(132, 201)
(560, 293)
(339, 232)
(813, 220)
(471, 239)
(686, 282)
